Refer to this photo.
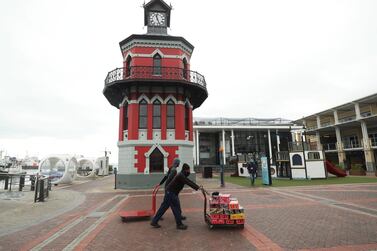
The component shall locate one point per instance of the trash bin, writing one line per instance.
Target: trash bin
(207, 172)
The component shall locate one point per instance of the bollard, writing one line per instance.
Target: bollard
(21, 183)
(115, 178)
(32, 182)
(41, 190)
(222, 176)
(6, 183)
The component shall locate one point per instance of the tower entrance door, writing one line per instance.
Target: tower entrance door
(156, 161)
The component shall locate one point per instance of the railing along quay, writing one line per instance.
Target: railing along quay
(155, 73)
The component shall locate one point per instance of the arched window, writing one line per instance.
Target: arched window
(157, 64)
(128, 66)
(185, 68)
(296, 160)
(187, 117)
(170, 114)
(156, 114)
(156, 161)
(143, 114)
(125, 116)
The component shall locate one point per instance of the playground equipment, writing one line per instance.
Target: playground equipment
(306, 161)
(59, 168)
(331, 168)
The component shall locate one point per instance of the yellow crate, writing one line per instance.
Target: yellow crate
(237, 216)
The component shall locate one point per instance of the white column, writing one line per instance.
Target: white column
(336, 118)
(223, 140)
(197, 148)
(357, 110)
(364, 131)
(233, 150)
(338, 138)
(318, 121)
(318, 136)
(194, 148)
(278, 141)
(269, 145)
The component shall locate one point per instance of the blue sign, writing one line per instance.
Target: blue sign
(265, 174)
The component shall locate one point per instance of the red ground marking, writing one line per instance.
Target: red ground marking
(259, 240)
(85, 242)
(345, 248)
(54, 230)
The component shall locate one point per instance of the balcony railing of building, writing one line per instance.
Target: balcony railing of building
(329, 147)
(346, 119)
(309, 128)
(326, 124)
(155, 73)
(240, 121)
(352, 144)
(300, 146)
(282, 156)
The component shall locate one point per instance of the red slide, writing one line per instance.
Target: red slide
(331, 168)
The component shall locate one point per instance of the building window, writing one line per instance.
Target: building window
(156, 161)
(373, 138)
(170, 114)
(156, 114)
(125, 116)
(314, 156)
(157, 64)
(187, 117)
(128, 66)
(185, 68)
(143, 114)
(296, 160)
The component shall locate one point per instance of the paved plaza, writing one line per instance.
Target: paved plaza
(84, 216)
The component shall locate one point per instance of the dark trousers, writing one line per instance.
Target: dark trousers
(252, 178)
(170, 200)
(179, 204)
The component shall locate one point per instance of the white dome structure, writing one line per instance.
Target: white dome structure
(87, 167)
(60, 168)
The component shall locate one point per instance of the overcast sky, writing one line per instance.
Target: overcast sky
(261, 59)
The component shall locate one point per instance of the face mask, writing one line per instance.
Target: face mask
(187, 173)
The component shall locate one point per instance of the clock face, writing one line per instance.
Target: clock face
(157, 19)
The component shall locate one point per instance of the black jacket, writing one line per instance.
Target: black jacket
(179, 181)
(169, 176)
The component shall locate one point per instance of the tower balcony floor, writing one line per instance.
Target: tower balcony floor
(120, 79)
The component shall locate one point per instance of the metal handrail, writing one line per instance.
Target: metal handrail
(155, 73)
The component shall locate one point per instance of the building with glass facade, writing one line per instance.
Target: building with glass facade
(217, 140)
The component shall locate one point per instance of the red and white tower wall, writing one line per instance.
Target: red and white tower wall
(156, 93)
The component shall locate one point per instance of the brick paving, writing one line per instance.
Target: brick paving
(334, 217)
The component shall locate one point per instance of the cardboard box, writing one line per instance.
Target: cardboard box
(234, 204)
(224, 198)
(240, 221)
(214, 216)
(224, 216)
(229, 222)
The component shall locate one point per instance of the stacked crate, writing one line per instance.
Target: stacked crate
(225, 210)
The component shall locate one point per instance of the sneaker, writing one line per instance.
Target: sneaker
(183, 217)
(182, 227)
(155, 225)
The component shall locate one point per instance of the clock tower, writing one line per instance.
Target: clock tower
(156, 92)
(157, 17)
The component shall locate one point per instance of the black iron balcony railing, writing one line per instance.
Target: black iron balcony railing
(155, 73)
